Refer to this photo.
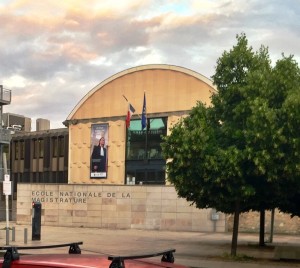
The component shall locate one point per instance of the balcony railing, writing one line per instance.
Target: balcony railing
(5, 135)
(5, 96)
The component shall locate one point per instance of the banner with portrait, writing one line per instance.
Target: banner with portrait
(99, 141)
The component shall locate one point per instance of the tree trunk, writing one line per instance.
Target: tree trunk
(235, 230)
(262, 228)
(272, 225)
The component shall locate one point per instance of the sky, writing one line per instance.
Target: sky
(53, 52)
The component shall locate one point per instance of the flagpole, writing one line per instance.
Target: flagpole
(146, 133)
(125, 98)
(129, 103)
(146, 145)
(145, 123)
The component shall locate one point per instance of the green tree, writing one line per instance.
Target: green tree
(271, 136)
(290, 129)
(239, 153)
(239, 78)
(201, 170)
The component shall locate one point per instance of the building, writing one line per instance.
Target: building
(58, 167)
(42, 124)
(16, 122)
(5, 138)
(116, 172)
(133, 155)
(40, 156)
(5, 135)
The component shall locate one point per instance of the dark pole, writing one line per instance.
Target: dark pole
(146, 143)
(262, 228)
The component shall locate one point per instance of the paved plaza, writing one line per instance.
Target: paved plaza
(193, 249)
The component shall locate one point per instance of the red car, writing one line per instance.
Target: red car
(12, 259)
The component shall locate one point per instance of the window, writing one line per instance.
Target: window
(35, 148)
(38, 148)
(54, 147)
(58, 146)
(41, 177)
(146, 144)
(34, 177)
(144, 161)
(22, 149)
(41, 148)
(61, 146)
(17, 150)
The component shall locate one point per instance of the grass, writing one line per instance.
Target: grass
(237, 257)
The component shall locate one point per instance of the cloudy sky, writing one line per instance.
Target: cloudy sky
(53, 52)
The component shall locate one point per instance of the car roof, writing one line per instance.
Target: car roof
(12, 259)
(82, 261)
(62, 260)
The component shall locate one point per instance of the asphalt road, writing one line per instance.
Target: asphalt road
(194, 249)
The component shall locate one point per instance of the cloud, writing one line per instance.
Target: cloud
(53, 52)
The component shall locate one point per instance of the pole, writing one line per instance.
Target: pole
(6, 196)
(7, 212)
(13, 234)
(129, 103)
(272, 225)
(6, 202)
(25, 236)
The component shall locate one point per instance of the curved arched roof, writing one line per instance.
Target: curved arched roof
(142, 68)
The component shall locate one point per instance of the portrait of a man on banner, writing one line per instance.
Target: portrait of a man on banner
(99, 141)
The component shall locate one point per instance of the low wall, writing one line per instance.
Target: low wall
(115, 207)
(249, 223)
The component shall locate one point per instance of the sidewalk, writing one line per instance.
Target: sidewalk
(193, 249)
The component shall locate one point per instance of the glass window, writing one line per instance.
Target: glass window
(35, 148)
(34, 177)
(145, 144)
(41, 177)
(17, 150)
(54, 147)
(22, 150)
(61, 146)
(158, 128)
(144, 161)
(41, 148)
(38, 148)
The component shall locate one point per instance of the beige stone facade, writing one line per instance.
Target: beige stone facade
(283, 223)
(170, 90)
(114, 207)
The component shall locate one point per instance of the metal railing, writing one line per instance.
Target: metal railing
(5, 95)
(5, 135)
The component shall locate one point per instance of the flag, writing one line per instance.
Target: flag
(144, 113)
(130, 112)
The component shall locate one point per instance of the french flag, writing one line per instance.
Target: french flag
(130, 112)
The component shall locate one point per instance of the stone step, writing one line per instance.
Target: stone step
(287, 252)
